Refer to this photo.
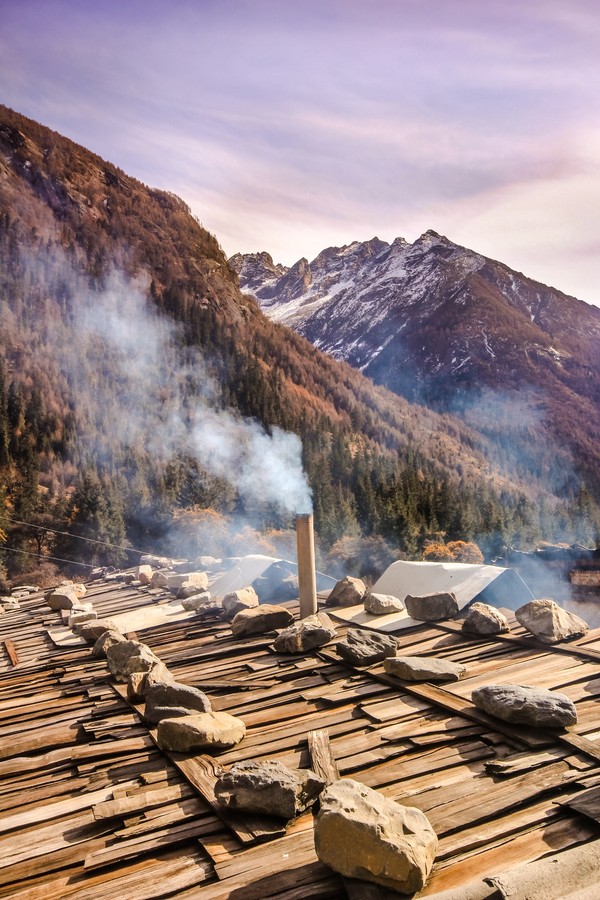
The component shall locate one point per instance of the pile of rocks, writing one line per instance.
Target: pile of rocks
(351, 591)
(69, 596)
(184, 716)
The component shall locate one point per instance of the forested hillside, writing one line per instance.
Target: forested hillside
(139, 388)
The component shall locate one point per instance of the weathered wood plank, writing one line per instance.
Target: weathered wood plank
(321, 756)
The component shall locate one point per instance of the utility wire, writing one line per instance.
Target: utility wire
(44, 558)
(79, 537)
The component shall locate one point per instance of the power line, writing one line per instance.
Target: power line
(79, 537)
(45, 558)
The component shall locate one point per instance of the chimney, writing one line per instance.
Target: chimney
(307, 579)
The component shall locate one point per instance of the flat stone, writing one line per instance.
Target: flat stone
(364, 648)
(10, 602)
(314, 631)
(423, 668)
(260, 619)
(177, 695)
(269, 788)
(204, 731)
(107, 640)
(91, 631)
(362, 834)
(144, 574)
(80, 616)
(484, 619)
(549, 622)
(525, 705)
(26, 588)
(432, 607)
(236, 601)
(348, 591)
(383, 604)
(126, 657)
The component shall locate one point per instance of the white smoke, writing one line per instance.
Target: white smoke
(169, 402)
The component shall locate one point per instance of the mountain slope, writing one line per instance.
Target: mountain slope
(438, 323)
(136, 380)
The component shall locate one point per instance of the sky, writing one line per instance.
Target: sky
(295, 126)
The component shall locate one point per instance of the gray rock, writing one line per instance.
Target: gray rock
(159, 580)
(176, 695)
(348, 591)
(383, 604)
(189, 589)
(364, 648)
(260, 620)
(198, 600)
(81, 616)
(549, 622)
(150, 559)
(62, 598)
(126, 657)
(484, 619)
(139, 682)
(176, 580)
(204, 731)
(362, 834)
(91, 631)
(236, 601)
(423, 668)
(432, 607)
(525, 705)
(107, 640)
(10, 602)
(314, 631)
(269, 788)
(210, 609)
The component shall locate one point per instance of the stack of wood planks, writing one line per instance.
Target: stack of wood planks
(90, 807)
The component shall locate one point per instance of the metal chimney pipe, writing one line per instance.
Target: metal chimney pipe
(307, 579)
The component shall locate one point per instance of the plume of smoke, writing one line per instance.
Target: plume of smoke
(148, 390)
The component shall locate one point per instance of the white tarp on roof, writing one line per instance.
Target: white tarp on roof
(244, 570)
(465, 580)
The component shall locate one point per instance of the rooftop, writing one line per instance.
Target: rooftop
(91, 807)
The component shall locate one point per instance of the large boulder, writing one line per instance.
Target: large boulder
(203, 731)
(525, 705)
(260, 620)
(484, 619)
(236, 601)
(107, 640)
(348, 591)
(160, 697)
(91, 631)
(549, 622)
(383, 604)
(268, 787)
(423, 668)
(314, 631)
(365, 648)
(62, 598)
(126, 657)
(432, 607)
(362, 834)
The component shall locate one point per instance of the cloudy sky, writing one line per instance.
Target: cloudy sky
(294, 126)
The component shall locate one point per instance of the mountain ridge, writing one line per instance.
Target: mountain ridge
(441, 324)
